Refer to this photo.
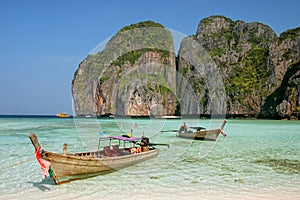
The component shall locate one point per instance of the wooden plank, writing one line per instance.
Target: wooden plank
(34, 141)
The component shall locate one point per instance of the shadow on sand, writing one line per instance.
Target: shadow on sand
(43, 184)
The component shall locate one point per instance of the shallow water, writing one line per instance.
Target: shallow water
(259, 159)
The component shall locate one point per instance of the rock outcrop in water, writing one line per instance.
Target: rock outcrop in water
(228, 67)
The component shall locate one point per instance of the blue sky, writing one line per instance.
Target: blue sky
(43, 42)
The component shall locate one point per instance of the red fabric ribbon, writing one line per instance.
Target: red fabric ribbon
(43, 163)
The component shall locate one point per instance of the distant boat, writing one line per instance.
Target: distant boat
(168, 117)
(65, 167)
(63, 115)
(199, 133)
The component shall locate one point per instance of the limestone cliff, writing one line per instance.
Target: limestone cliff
(241, 52)
(131, 76)
(228, 67)
(284, 99)
(253, 63)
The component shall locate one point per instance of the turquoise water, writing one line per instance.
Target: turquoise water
(259, 159)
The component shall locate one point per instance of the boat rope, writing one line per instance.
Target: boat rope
(16, 164)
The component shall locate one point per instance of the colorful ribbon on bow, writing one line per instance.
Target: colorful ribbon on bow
(45, 165)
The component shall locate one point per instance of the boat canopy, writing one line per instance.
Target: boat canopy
(123, 138)
(198, 128)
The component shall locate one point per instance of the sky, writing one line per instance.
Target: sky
(43, 42)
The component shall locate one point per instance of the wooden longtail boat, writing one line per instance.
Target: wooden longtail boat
(200, 133)
(65, 167)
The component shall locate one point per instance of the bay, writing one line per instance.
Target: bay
(259, 159)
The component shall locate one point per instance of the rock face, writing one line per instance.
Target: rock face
(241, 52)
(260, 71)
(130, 76)
(228, 67)
(285, 57)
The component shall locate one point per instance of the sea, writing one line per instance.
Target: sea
(258, 159)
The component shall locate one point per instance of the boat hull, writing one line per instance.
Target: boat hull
(68, 167)
(210, 135)
(63, 115)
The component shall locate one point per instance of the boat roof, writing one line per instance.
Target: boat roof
(197, 127)
(124, 138)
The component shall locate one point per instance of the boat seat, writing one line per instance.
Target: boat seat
(106, 151)
(115, 150)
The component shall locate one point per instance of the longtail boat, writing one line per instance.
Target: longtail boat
(199, 133)
(65, 167)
